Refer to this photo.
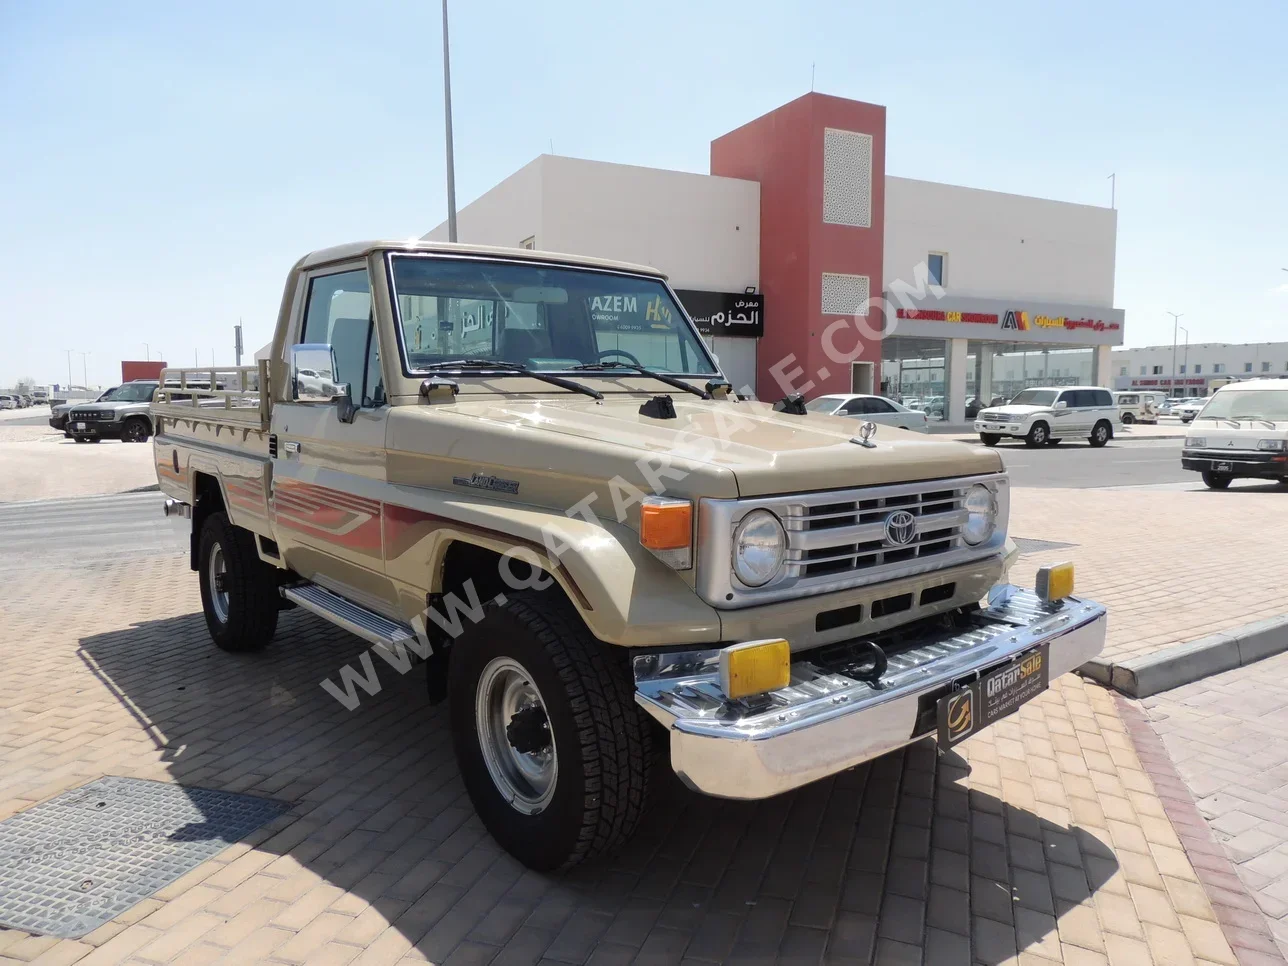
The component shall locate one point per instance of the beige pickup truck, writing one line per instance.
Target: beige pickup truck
(526, 471)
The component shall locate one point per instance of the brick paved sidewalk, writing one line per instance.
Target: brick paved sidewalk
(1156, 558)
(1040, 840)
(1229, 738)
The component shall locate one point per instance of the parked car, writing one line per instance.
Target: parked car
(58, 413)
(1190, 408)
(40, 397)
(873, 409)
(1241, 433)
(1135, 407)
(8, 402)
(730, 581)
(1043, 417)
(125, 416)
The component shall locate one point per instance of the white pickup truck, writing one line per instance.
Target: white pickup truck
(528, 470)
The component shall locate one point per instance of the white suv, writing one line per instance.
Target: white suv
(1043, 417)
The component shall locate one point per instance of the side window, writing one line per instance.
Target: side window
(1069, 398)
(879, 406)
(1104, 397)
(339, 314)
(852, 408)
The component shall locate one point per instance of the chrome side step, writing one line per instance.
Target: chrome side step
(345, 614)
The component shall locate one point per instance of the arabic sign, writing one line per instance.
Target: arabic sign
(725, 313)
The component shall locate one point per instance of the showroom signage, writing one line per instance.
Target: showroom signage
(958, 317)
(725, 313)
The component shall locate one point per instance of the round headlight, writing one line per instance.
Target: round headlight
(981, 514)
(759, 548)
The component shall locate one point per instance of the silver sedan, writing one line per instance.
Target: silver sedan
(875, 409)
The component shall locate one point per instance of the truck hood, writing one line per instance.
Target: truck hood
(766, 451)
(1235, 434)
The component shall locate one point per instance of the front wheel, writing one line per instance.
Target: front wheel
(136, 430)
(1100, 434)
(238, 593)
(1216, 481)
(1038, 435)
(990, 439)
(552, 748)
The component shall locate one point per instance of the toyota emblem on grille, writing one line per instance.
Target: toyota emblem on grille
(900, 528)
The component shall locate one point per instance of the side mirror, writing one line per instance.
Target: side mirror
(1062, 405)
(312, 375)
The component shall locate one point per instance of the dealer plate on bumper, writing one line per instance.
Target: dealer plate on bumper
(993, 696)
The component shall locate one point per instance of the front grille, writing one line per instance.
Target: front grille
(89, 415)
(844, 537)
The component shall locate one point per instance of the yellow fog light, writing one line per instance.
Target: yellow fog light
(755, 667)
(1055, 582)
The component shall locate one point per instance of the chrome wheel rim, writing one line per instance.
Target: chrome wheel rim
(218, 595)
(515, 737)
(1039, 434)
(1101, 434)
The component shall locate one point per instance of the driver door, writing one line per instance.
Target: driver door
(329, 474)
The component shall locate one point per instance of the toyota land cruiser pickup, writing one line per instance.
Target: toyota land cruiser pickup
(527, 470)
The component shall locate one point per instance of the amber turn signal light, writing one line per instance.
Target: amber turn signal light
(1055, 582)
(755, 667)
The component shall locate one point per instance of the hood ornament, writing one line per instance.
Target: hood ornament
(867, 430)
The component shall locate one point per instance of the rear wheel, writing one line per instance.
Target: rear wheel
(238, 591)
(552, 747)
(1038, 435)
(1100, 434)
(1128, 419)
(1216, 481)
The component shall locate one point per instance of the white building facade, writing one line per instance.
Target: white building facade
(1198, 369)
(953, 293)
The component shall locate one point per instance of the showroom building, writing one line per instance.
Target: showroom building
(808, 269)
(1199, 369)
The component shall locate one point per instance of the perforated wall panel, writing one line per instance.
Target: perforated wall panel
(845, 294)
(847, 178)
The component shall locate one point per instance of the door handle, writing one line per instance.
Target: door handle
(291, 446)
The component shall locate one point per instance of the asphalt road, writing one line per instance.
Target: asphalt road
(36, 419)
(86, 531)
(1075, 464)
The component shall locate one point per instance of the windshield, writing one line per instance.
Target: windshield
(1034, 397)
(1248, 404)
(134, 392)
(543, 317)
(823, 404)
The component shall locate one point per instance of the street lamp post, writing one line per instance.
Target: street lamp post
(1176, 316)
(1185, 360)
(85, 367)
(447, 115)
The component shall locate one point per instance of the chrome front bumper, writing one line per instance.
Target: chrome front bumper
(825, 722)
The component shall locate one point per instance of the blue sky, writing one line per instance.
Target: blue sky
(164, 164)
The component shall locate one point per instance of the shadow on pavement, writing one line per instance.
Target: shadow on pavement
(877, 863)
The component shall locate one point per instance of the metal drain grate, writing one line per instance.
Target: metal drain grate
(1029, 545)
(79, 860)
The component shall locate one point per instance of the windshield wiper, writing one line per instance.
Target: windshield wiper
(464, 365)
(645, 371)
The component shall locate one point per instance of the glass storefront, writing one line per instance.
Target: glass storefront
(914, 371)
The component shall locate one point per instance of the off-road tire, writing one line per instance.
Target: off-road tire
(990, 439)
(1038, 434)
(601, 736)
(1216, 481)
(248, 581)
(1101, 433)
(136, 429)
(1128, 419)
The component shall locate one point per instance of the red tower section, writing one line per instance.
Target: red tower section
(820, 161)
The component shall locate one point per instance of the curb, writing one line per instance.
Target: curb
(1179, 664)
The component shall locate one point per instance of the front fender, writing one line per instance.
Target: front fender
(624, 594)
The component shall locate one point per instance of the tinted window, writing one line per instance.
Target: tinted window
(1102, 397)
(854, 407)
(1034, 397)
(339, 314)
(879, 406)
(135, 392)
(1069, 397)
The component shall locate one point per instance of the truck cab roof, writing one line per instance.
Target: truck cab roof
(340, 253)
